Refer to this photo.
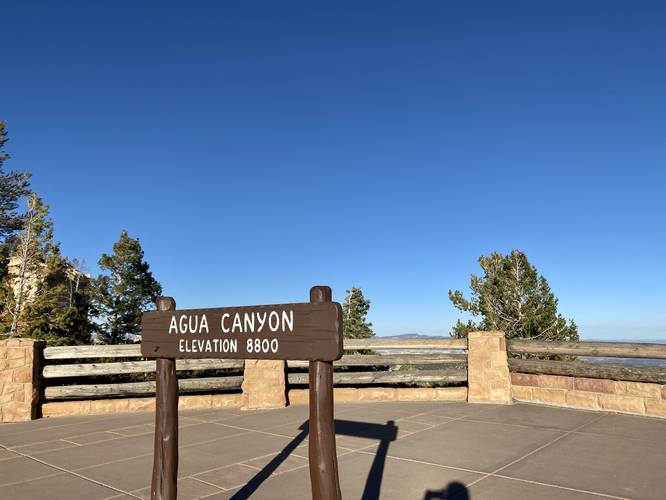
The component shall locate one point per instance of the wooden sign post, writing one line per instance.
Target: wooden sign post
(305, 331)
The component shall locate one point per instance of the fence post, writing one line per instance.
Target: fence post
(20, 374)
(488, 376)
(165, 463)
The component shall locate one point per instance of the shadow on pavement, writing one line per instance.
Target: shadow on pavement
(454, 491)
(383, 433)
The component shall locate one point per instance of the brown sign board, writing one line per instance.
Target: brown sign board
(307, 331)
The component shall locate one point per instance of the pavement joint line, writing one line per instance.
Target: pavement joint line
(524, 426)
(124, 435)
(72, 442)
(224, 467)
(254, 430)
(80, 476)
(35, 478)
(180, 447)
(559, 487)
(423, 462)
(120, 436)
(206, 482)
(552, 441)
(422, 430)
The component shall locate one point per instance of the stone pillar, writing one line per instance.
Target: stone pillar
(263, 385)
(19, 379)
(488, 375)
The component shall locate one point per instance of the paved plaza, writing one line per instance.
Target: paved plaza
(393, 450)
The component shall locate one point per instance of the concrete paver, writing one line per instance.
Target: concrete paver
(392, 450)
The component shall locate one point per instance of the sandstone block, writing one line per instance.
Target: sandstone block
(625, 404)
(298, 397)
(62, 408)
(226, 400)
(16, 412)
(16, 353)
(655, 408)
(638, 389)
(582, 399)
(264, 384)
(550, 396)
(498, 359)
(377, 394)
(521, 393)
(415, 393)
(450, 393)
(101, 406)
(345, 394)
(555, 382)
(141, 404)
(22, 375)
(663, 392)
(194, 402)
(594, 385)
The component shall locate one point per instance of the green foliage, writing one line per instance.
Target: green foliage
(354, 311)
(13, 186)
(60, 311)
(512, 297)
(44, 296)
(33, 246)
(122, 294)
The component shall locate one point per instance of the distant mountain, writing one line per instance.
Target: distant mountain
(413, 336)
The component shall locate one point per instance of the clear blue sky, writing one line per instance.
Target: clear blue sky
(259, 148)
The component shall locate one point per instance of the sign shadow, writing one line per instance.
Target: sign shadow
(385, 434)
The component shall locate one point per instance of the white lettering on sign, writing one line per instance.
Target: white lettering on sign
(254, 322)
(188, 324)
(261, 345)
(208, 345)
(244, 323)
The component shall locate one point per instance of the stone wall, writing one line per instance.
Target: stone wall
(19, 379)
(131, 405)
(591, 394)
(369, 394)
(488, 369)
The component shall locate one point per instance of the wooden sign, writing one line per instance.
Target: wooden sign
(310, 332)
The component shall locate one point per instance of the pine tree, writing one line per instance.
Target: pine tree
(60, 311)
(512, 297)
(13, 187)
(354, 311)
(124, 293)
(34, 246)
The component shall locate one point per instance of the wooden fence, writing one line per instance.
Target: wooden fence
(434, 368)
(522, 353)
(87, 372)
(91, 372)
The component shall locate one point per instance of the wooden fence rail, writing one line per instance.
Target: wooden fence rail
(93, 351)
(580, 368)
(629, 373)
(447, 365)
(405, 344)
(131, 389)
(603, 349)
(391, 360)
(119, 368)
(410, 377)
(53, 369)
